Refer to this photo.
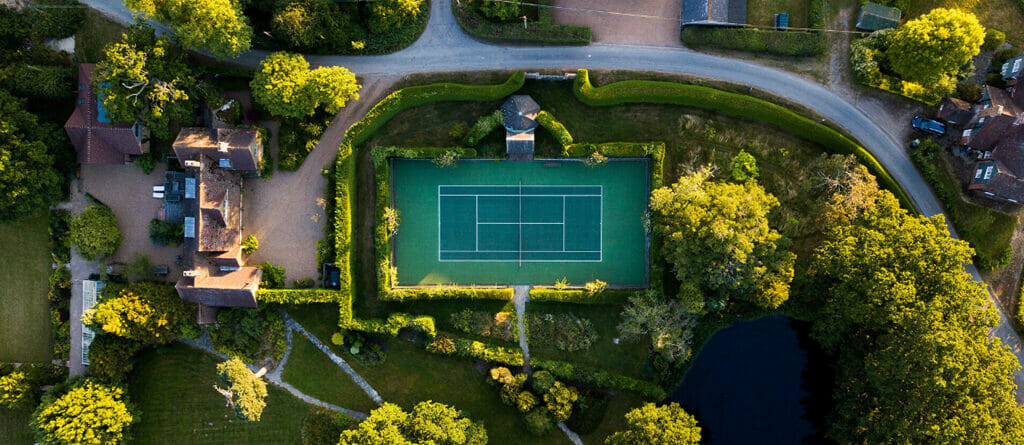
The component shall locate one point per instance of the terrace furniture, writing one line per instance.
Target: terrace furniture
(158, 195)
(158, 189)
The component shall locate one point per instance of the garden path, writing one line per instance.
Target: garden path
(81, 269)
(575, 438)
(521, 295)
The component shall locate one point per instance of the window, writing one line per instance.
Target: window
(190, 188)
(137, 131)
(224, 163)
(977, 174)
(967, 133)
(988, 173)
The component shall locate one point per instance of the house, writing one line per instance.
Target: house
(96, 139)
(995, 117)
(996, 136)
(874, 17)
(520, 120)
(215, 274)
(1001, 177)
(1012, 70)
(713, 12)
(955, 112)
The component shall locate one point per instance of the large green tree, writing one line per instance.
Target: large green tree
(94, 232)
(910, 329)
(668, 323)
(933, 47)
(429, 422)
(248, 393)
(716, 236)
(216, 26)
(657, 425)
(286, 86)
(146, 312)
(16, 390)
(28, 180)
(388, 15)
(87, 413)
(144, 78)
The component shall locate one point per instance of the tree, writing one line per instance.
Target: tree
(94, 232)
(429, 422)
(668, 323)
(246, 393)
(146, 312)
(501, 11)
(716, 236)
(273, 276)
(144, 78)
(910, 329)
(744, 167)
(935, 46)
(559, 400)
(388, 15)
(110, 357)
(216, 26)
(250, 244)
(88, 413)
(28, 181)
(16, 390)
(302, 23)
(286, 87)
(657, 425)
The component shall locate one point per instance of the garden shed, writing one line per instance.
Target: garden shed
(713, 12)
(874, 17)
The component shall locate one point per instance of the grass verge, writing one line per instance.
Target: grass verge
(24, 272)
(313, 373)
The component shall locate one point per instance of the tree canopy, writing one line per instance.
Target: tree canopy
(28, 180)
(500, 10)
(668, 323)
(744, 167)
(16, 390)
(216, 26)
(429, 422)
(286, 87)
(248, 392)
(933, 47)
(657, 425)
(94, 232)
(388, 15)
(144, 78)
(716, 236)
(146, 312)
(909, 328)
(87, 413)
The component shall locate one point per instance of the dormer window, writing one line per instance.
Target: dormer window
(224, 163)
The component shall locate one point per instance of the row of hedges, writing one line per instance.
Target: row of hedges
(737, 105)
(560, 133)
(580, 296)
(783, 43)
(599, 378)
(540, 31)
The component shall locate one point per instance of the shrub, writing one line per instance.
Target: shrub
(538, 422)
(60, 242)
(559, 400)
(555, 127)
(510, 394)
(17, 390)
(526, 401)
(250, 244)
(495, 354)
(485, 324)
(968, 91)
(273, 276)
(304, 283)
(566, 332)
(249, 334)
(995, 79)
(542, 31)
(579, 296)
(443, 344)
(783, 43)
(247, 392)
(1001, 56)
(166, 233)
(542, 381)
(458, 131)
(337, 338)
(595, 286)
(84, 412)
(484, 126)
(500, 375)
(388, 15)
(110, 357)
(599, 378)
(744, 167)
(94, 232)
(595, 159)
(993, 39)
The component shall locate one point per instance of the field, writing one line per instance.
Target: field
(762, 12)
(24, 268)
(308, 368)
(1004, 15)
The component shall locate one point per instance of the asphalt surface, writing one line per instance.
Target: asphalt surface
(444, 47)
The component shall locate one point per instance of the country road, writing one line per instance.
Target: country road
(444, 47)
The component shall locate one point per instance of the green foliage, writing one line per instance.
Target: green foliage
(110, 357)
(744, 167)
(716, 235)
(322, 426)
(249, 334)
(526, 401)
(286, 87)
(17, 390)
(484, 126)
(498, 10)
(60, 243)
(273, 276)
(248, 392)
(443, 344)
(36, 81)
(910, 330)
(86, 412)
(565, 331)
(28, 181)
(1001, 56)
(556, 128)
(429, 422)
(933, 47)
(484, 324)
(94, 232)
(303, 24)
(215, 26)
(166, 233)
(145, 78)
(657, 425)
(579, 296)
(542, 381)
(388, 15)
(995, 79)
(250, 244)
(994, 38)
(968, 91)
(668, 323)
(300, 296)
(782, 43)
(598, 378)
(730, 104)
(146, 312)
(299, 137)
(538, 422)
(482, 351)
(543, 31)
(559, 400)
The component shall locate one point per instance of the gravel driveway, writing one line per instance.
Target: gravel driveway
(636, 22)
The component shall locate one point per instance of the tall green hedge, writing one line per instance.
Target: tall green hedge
(782, 43)
(580, 296)
(540, 31)
(732, 104)
(555, 127)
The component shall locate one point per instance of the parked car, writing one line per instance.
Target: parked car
(929, 126)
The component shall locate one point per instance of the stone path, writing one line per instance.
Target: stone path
(575, 438)
(520, 295)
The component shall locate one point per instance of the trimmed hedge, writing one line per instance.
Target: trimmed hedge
(394, 323)
(301, 296)
(541, 31)
(599, 378)
(447, 293)
(484, 126)
(483, 351)
(555, 127)
(737, 105)
(782, 43)
(579, 296)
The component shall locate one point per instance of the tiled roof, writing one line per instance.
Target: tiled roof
(955, 111)
(236, 144)
(520, 113)
(97, 142)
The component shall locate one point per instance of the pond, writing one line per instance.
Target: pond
(747, 385)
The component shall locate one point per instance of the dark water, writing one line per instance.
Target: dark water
(747, 385)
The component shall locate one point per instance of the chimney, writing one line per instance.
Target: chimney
(190, 273)
(223, 146)
(193, 164)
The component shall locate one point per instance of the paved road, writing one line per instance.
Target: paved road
(444, 47)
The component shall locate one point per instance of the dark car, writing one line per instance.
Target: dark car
(929, 126)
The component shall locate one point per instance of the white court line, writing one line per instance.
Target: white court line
(476, 224)
(524, 251)
(513, 196)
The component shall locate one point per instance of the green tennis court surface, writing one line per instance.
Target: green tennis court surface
(501, 222)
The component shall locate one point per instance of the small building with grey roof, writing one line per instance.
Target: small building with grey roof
(874, 17)
(713, 12)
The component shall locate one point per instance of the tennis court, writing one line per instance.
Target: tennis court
(501, 222)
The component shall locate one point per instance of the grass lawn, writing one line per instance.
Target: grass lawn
(24, 272)
(762, 12)
(173, 389)
(626, 358)
(308, 368)
(1004, 15)
(615, 417)
(94, 35)
(14, 427)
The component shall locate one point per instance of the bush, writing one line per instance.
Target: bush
(559, 400)
(993, 39)
(864, 57)
(501, 325)
(166, 233)
(17, 390)
(250, 244)
(783, 43)
(542, 381)
(94, 232)
(599, 378)
(968, 91)
(248, 392)
(36, 81)
(273, 276)
(443, 344)
(1001, 56)
(538, 422)
(488, 353)
(84, 412)
(579, 296)
(731, 104)
(301, 296)
(484, 126)
(555, 127)
(541, 31)
(249, 334)
(60, 241)
(61, 21)
(110, 357)
(744, 167)
(566, 332)
(526, 401)
(995, 79)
